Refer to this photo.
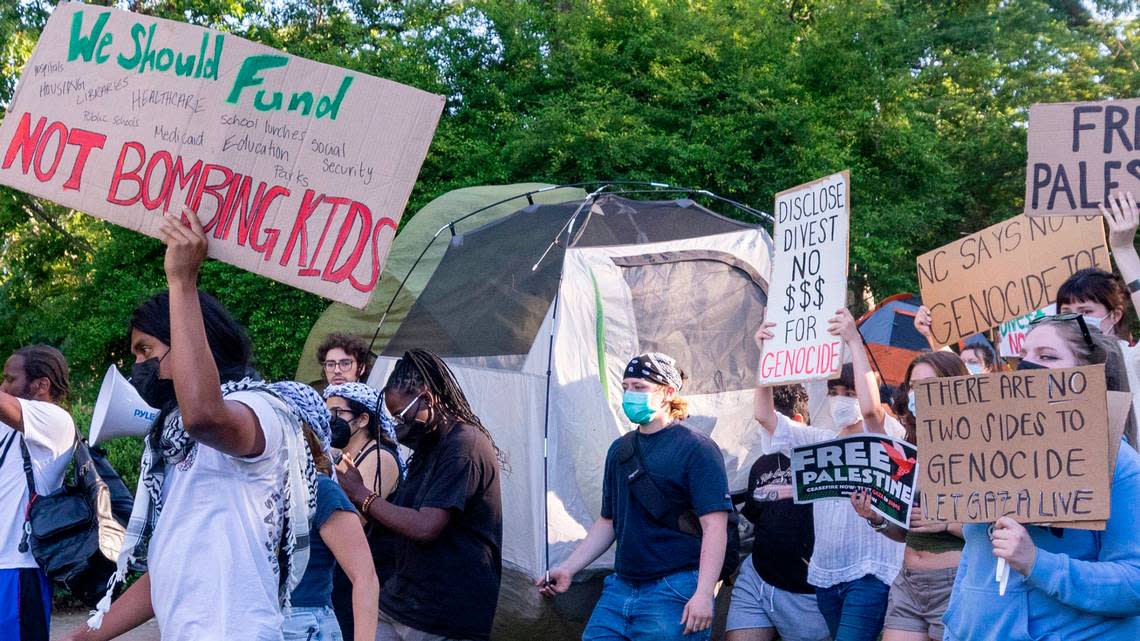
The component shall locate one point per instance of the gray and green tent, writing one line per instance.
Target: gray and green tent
(538, 303)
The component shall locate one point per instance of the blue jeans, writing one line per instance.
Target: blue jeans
(643, 610)
(854, 610)
(311, 624)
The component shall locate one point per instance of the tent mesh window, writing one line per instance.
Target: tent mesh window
(708, 328)
(486, 300)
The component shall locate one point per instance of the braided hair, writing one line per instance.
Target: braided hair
(421, 368)
(45, 361)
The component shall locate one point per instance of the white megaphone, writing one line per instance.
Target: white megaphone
(119, 410)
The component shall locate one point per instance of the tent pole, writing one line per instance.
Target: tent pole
(546, 434)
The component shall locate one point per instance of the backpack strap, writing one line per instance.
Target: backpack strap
(32, 496)
(7, 446)
(645, 491)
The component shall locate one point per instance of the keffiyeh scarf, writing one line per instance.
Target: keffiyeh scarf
(171, 445)
(367, 396)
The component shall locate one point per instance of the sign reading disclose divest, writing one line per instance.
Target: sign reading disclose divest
(880, 465)
(1079, 153)
(299, 171)
(1034, 445)
(808, 282)
(1005, 271)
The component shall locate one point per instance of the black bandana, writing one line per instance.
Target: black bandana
(655, 367)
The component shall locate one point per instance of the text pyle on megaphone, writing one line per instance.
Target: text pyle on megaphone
(119, 410)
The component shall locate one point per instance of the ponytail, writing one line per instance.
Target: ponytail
(678, 408)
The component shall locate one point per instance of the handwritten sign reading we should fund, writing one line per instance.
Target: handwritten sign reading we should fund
(299, 171)
(1005, 271)
(808, 282)
(1033, 445)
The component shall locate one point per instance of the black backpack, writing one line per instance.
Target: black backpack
(75, 533)
(665, 509)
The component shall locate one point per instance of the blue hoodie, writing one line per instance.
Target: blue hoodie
(1084, 585)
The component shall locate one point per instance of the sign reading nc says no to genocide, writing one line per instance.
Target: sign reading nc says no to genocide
(808, 282)
(299, 171)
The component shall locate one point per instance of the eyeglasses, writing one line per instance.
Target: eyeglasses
(1070, 317)
(346, 363)
(400, 417)
(340, 410)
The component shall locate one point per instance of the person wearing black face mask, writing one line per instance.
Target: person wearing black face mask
(360, 433)
(446, 516)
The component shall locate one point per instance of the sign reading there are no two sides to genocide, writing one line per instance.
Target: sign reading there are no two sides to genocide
(884, 467)
(299, 171)
(1035, 445)
(808, 281)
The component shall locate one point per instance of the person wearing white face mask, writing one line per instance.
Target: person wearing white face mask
(664, 580)
(852, 566)
(1101, 297)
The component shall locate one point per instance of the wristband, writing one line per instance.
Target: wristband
(878, 528)
(1134, 286)
(368, 503)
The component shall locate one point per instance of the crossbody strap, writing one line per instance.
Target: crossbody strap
(31, 480)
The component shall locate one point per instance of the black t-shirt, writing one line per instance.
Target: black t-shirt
(450, 587)
(784, 534)
(688, 467)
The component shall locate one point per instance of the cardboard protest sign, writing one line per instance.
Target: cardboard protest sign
(884, 466)
(1032, 445)
(1013, 332)
(1079, 153)
(1005, 271)
(299, 171)
(808, 281)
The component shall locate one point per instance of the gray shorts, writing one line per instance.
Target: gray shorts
(758, 604)
(918, 600)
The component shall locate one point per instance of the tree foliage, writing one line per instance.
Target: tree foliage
(926, 102)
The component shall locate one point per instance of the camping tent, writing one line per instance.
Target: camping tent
(893, 342)
(537, 313)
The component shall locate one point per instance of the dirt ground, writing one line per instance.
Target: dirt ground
(68, 621)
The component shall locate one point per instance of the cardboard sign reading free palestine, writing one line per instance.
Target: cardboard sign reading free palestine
(1033, 445)
(300, 171)
(808, 281)
(884, 466)
(1005, 271)
(1079, 153)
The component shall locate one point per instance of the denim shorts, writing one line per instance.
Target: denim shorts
(644, 610)
(311, 624)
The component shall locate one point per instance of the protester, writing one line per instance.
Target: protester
(226, 485)
(33, 427)
(344, 358)
(1102, 297)
(446, 515)
(1064, 583)
(851, 566)
(979, 354)
(664, 580)
(341, 541)
(357, 434)
(772, 594)
(919, 595)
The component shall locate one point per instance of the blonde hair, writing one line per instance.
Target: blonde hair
(678, 408)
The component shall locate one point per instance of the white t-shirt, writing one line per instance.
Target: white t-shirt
(845, 549)
(213, 557)
(50, 435)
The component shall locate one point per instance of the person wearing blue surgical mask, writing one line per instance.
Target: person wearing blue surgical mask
(664, 580)
(979, 358)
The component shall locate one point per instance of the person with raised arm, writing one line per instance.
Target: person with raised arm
(226, 486)
(851, 566)
(36, 435)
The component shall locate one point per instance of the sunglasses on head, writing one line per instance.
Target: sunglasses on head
(1069, 317)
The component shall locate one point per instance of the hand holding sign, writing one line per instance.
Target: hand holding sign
(1012, 542)
(186, 247)
(1122, 219)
